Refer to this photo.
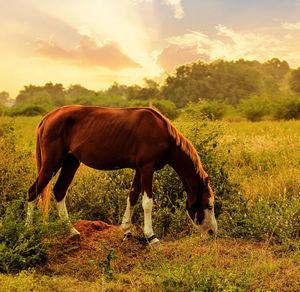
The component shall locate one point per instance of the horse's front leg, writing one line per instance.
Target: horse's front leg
(147, 203)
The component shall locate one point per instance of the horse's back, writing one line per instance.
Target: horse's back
(108, 138)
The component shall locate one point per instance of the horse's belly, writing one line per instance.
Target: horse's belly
(105, 160)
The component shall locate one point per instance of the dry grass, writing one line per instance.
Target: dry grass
(190, 263)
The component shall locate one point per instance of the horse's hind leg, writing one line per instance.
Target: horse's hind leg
(68, 170)
(131, 202)
(39, 186)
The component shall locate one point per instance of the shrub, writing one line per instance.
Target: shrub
(28, 110)
(16, 167)
(23, 247)
(212, 110)
(167, 107)
(287, 108)
(19, 248)
(255, 108)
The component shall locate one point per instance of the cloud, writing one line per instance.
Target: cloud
(89, 52)
(174, 55)
(226, 44)
(291, 26)
(176, 5)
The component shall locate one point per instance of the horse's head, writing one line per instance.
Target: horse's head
(200, 208)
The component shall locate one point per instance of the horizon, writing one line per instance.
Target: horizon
(126, 41)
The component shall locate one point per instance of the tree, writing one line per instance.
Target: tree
(276, 68)
(294, 81)
(52, 95)
(4, 97)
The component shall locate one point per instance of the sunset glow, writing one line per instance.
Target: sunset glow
(95, 43)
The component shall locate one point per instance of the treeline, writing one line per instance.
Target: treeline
(236, 88)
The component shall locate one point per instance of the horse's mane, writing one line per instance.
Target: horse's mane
(185, 145)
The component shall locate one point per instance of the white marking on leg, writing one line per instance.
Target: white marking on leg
(147, 206)
(126, 222)
(30, 210)
(63, 215)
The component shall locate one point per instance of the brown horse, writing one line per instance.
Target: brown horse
(104, 138)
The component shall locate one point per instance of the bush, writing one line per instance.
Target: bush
(23, 247)
(27, 110)
(287, 108)
(212, 110)
(255, 108)
(167, 107)
(16, 167)
(274, 220)
(20, 248)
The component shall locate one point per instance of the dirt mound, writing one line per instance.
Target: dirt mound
(98, 241)
(97, 230)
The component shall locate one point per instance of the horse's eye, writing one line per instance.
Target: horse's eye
(210, 207)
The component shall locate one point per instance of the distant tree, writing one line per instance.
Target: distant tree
(220, 80)
(26, 94)
(188, 84)
(52, 95)
(117, 90)
(276, 68)
(57, 93)
(294, 81)
(149, 91)
(4, 97)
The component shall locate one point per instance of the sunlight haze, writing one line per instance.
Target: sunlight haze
(95, 43)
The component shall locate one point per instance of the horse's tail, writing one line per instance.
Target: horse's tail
(45, 193)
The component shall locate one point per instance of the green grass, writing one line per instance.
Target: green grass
(264, 157)
(258, 244)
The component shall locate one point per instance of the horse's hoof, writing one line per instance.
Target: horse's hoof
(127, 236)
(153, 241)
(75, 236)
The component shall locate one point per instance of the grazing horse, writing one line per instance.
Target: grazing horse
(106, 139)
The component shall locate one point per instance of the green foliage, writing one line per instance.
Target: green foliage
(212, 110)
(288, 108)
(27, 110)
(220, 83)
(100, 195)
(105, 265)
(265, 219)
(255, 108)
(294, 81)
(50, 95)
(15, 164)
(20, 248)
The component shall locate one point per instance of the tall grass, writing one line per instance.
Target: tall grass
(254, 170)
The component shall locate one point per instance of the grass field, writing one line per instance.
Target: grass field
(257, 248)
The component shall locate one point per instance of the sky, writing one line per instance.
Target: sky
(97, 42)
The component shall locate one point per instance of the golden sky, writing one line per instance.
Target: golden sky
(97, 42)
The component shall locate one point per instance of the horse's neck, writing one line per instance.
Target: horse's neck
(185, 168)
